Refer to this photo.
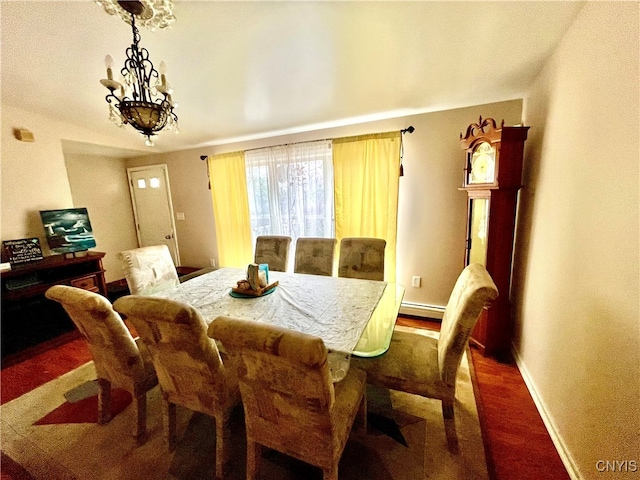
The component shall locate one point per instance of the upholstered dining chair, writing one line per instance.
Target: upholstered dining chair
(314, 256)
(362, 257)
(190, 368)
(119, 359)
(148, 269)
(290, 402)
(273, 250)
(428, 366)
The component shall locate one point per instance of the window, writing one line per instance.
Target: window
(290, 190)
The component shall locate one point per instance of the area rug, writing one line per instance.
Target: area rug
(81, 405)
(405, 440)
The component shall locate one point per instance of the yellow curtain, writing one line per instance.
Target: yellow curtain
(366, 174)
(231, 209)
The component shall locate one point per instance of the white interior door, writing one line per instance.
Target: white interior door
(152, 207)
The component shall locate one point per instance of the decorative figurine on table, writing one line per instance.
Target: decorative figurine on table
(257, 281)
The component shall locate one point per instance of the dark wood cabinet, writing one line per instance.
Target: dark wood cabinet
(492, 177)
(28, 318)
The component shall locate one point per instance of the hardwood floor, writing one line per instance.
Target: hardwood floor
(517, 443)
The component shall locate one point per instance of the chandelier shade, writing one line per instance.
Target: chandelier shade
(142, 98)
(147, 117)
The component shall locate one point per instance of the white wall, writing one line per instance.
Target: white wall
(576, 285)
(100, 185)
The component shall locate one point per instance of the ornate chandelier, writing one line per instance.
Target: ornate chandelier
(142, 98)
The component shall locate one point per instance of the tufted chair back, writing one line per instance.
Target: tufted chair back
(118, 358)
(473, 289)
(362, 258)
(315, 256)
(190, 369)
(273, 250)
(148, 269)
(289, 399)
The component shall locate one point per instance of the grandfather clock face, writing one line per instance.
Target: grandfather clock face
(482, 164)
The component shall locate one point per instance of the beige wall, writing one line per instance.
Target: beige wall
(432, 212)
(34, 174)
(100, 185)
(576, 284)
(190, 195)
(431, 209)
(577, 276)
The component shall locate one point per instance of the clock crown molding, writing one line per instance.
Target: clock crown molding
(485, 128)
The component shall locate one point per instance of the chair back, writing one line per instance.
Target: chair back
(188, 364)
(362, 258)
(285, 385)
(115, 353)
(315, 256)
(273, 250)
(472, 291)
(148, 269)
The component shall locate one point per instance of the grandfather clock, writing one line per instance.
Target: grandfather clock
(492, 178)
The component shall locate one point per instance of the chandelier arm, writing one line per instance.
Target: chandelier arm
(112, 98)
(151, 109)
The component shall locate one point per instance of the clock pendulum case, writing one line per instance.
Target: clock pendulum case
(492, 179)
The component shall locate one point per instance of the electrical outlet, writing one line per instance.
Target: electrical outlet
(415, 281)
(180, 216)
(212, 262)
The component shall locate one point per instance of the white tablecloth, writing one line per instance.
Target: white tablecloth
(332, 308)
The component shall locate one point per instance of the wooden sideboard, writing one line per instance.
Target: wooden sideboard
(28, 318)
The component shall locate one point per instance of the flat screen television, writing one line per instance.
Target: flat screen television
(68, 230)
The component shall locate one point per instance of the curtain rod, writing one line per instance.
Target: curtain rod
(409, 129)
(204, 157)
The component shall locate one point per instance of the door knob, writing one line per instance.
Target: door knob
(167, 237)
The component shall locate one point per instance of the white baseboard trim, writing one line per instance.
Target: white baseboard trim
(556, 438)
(422, 310)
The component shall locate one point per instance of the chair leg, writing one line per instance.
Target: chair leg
(362, 414)
(223, 437)
(332, 472)
(169, 415)
(254, 457)
(104, 400)
(450, 426)
(140, 409)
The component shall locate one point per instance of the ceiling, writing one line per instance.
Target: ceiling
(244, 70)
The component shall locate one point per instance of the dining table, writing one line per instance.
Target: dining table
(351, 316)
